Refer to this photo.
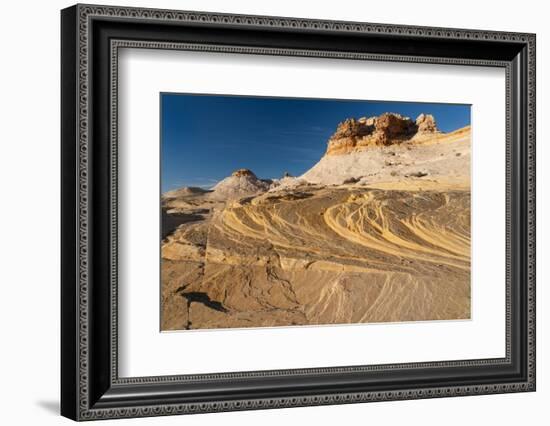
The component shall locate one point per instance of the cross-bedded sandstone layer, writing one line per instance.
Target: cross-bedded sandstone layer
(379, 233)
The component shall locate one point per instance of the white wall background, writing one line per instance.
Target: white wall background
(29, 214)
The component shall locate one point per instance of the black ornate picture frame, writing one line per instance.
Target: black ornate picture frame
(91, 37)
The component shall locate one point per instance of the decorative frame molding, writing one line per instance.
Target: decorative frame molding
(91, 388)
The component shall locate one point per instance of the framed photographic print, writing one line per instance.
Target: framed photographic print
(263, 212)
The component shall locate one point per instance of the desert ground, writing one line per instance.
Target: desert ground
(377, 231)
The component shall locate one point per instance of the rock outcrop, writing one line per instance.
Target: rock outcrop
(241, 183)
(428, 155)
(243, 173)
(425, 123)
(387, 129)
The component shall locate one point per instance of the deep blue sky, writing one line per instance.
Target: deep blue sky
(204, 138)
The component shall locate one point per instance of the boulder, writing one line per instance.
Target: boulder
(425, 123)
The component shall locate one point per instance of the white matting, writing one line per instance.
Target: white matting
(144, 351)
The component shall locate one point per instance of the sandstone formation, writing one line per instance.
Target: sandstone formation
(378, 230)
(325, 256)
(444, 158)
(241, 183)
(425, 123)
(353, 135)
(244, 173)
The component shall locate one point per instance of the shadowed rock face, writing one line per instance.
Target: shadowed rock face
(380, 234)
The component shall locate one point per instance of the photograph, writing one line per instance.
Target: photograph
(266, 208)
(278, 212)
